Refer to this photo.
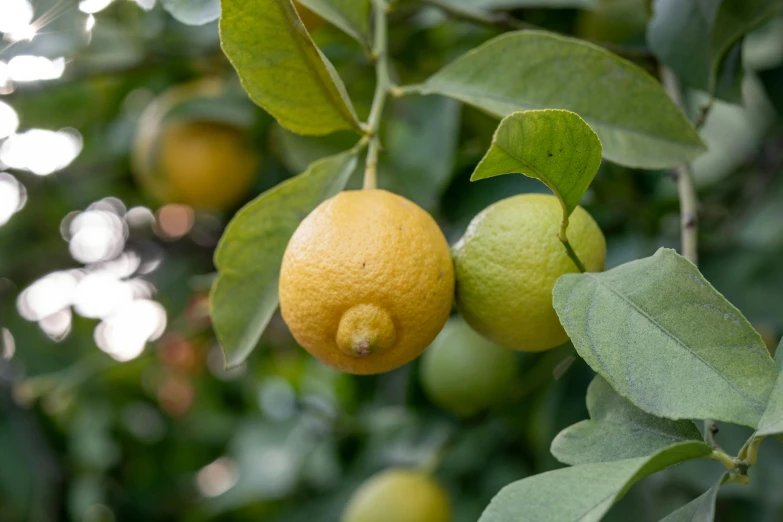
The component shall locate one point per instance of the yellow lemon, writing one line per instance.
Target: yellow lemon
(507, 263)
(366, 281)
(206, 164)
(399, 495)
(181, 158)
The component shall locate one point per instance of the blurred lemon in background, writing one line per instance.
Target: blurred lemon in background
(399, 495)
(187, 152)
(464, 373)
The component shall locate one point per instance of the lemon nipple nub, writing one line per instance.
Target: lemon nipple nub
(364, 330)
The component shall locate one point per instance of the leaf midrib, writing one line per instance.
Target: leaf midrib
(462, 94)
(757, 406)
(639, 427)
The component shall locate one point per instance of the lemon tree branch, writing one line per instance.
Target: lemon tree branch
(689, 226)
(382, 87)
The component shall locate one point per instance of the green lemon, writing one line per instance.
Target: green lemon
(399, 495)
(507, 263)
(464, 373)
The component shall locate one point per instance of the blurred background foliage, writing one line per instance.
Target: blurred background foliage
(114, 402)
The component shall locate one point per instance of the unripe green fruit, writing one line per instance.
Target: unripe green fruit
(464, 373)
(399, 495)
(507, 263)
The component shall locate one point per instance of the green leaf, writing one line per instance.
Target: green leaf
(637, 121)
(556, 147)
(421, 142)
(282, 69)
(707, 29)
(582, 493)
(617, 430)
(193, 12)
(518, 4)
(772, 80)
(297, 152)
(351, 16)
(728, 83)
(779, 356)
(666, 340)
(248, 258)
(700, 509)
(771, 422)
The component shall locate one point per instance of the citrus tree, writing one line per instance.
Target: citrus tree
(667, 348)
(400, 261)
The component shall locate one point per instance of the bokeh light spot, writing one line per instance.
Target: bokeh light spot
(7, 344)
(28, 68)
(9, 119)
(93, 6)
(58, 325)
(174, 221)
(40, 151)
(218, 477)
(124, 334)
(15, 16)
(47, 296)
(13, 197)
(96, 235)
(99, 294)
(99, 513)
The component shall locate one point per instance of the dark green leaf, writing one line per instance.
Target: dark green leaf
(193, 12)
(728, 84)
(666, 340)
(779, 356)
(707, 29)
(617, 430)
(637, 121)
(351, 16)
(248, 258)
(282, 69)
(582, 493)
(421, 143)
(556, 147)
(772, 79)
(700, 509)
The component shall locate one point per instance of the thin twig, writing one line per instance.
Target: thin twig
(689, 225)
(382, 87)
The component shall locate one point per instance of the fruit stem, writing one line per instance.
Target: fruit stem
(382, 86)
(569, 249)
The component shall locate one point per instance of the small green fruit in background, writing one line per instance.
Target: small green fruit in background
(464, 373)
(507, 263)
(399, 495)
